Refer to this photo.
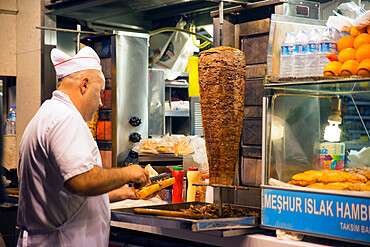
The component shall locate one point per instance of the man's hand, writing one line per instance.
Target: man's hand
(122, 193)
(126, 192)
(137, 175)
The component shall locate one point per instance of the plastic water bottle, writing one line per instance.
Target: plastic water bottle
(299, 50)
(11, 121)
(312, 53)
(286, 57)
(328, 44)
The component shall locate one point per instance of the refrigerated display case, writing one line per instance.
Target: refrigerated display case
(315, 136)
(312, 127)
(296, 118)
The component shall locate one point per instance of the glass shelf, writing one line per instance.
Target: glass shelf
(320, 85)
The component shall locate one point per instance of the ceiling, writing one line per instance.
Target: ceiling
(134, 14)
(140, 15)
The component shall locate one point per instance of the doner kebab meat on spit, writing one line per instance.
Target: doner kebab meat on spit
(221, 86)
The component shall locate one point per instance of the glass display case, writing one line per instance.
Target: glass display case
(316, 135)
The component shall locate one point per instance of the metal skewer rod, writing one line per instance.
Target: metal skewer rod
(220, 202)
(221, 16)
(78, 37)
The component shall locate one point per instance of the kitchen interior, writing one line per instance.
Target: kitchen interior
(150, 97)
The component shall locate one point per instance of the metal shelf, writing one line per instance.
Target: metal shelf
(177, 85)
(357, 131)
(354, 117)
(183, 74)
(175, 113)
(359, 103)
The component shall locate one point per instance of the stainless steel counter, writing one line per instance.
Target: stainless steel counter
(229, 239)
(242, 231)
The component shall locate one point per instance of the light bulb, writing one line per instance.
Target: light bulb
(277, 132)
(332, 132)
(277, 128)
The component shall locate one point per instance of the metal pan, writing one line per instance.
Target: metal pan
(128, 215)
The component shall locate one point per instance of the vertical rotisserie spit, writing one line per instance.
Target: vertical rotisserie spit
(222, 85)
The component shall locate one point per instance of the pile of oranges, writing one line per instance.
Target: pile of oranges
(354, 55)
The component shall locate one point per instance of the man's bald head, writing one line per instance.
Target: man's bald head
(84, 88)
(74, 78)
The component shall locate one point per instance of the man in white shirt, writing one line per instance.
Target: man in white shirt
(63, 188)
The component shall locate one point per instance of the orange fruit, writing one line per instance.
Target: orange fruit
(346, 54)
(345, 42)
(363, 53)
(349, 68)
(368, 29)
(332, 69)
(355, 32)
(361, 39)
(363, 68)
(332, 57)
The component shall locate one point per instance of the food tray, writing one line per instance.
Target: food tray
(127, 215)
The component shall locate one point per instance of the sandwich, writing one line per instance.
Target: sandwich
(154, 187)
(158, 182)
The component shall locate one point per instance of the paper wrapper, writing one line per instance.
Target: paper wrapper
(221, 87)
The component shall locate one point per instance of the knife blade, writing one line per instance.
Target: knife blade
(154, 179)
(159, 177)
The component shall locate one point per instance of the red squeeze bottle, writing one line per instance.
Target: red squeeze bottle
(178, 174)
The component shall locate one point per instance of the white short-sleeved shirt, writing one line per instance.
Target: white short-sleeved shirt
(57, 145)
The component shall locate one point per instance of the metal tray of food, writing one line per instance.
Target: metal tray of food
(128, 215)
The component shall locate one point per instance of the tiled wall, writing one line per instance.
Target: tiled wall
(104, 131)
(104, 126)
(106, 157)
(254, 42)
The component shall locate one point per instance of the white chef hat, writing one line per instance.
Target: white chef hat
(64, 65)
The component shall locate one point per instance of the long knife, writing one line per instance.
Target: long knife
(159, 177)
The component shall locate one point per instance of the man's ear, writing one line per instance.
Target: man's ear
(83, 86)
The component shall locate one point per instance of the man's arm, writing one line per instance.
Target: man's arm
(99, 180)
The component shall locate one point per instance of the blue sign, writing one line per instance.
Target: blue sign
(324, 214)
